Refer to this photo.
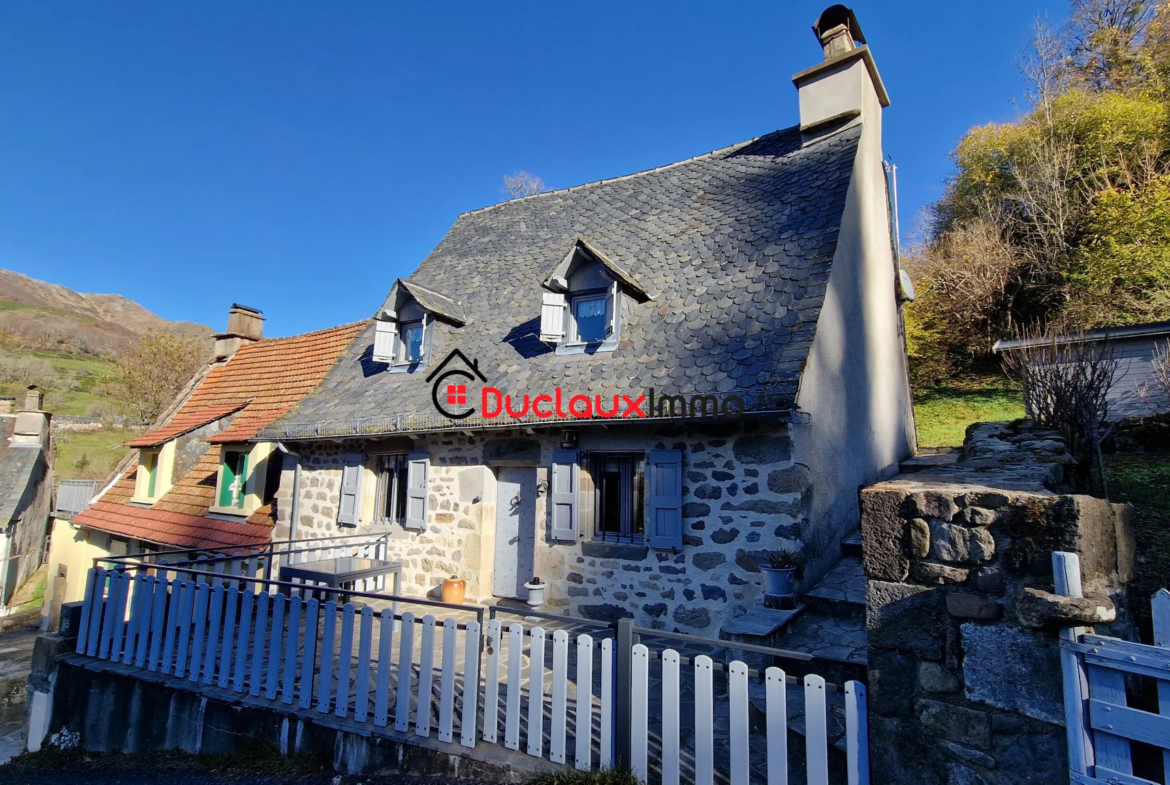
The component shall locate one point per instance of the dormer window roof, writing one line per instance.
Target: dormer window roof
(405, 323)
(581, 307)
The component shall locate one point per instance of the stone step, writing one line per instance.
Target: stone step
(926, 462)
(851, 545)
(841, 592)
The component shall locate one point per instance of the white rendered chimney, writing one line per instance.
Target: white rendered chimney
(846, 86)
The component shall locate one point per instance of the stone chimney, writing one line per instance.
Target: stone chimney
(245, 325)
(32, 422)
(846, 86)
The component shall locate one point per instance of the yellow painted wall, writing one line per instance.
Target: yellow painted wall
(75, 549)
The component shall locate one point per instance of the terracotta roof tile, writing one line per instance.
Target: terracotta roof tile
(273, 375)
(194, 493)
(187, 420)
(170, 528)
(123, 489)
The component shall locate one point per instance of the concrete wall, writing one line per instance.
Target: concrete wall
(855, 389)
(965, 680)
(743, 496)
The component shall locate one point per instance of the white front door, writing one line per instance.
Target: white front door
(515, 530)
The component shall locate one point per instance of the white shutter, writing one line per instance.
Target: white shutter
(665, 482)
(552, 318)
(384, 335)
(349, 502)
(422, 342)
(418, 465)
(562, 503)
(612, 303)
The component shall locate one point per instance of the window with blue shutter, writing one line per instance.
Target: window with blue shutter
(563, 511)
(418, 465)
(665, 522)
(349, 501)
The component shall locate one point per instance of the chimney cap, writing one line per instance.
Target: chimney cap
(248, 308)
(835, 16)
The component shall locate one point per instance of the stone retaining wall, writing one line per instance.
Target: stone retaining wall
(963, 657)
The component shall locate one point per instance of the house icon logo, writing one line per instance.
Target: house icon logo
(449, 386)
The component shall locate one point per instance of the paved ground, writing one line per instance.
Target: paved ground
(16, 647)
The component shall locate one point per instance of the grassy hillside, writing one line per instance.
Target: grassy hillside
(71, 381)
(90, 455)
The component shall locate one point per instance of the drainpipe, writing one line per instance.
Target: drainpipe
(294, 510)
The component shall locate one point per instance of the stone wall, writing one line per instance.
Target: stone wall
(963, 656)
(743, 496)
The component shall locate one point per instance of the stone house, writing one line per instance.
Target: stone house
(636, 388)
(26, 489)
(198, 479)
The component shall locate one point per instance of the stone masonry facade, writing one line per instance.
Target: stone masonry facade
(743, 497)
(965, 674)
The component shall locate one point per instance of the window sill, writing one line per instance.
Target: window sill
(614, 550)
(405, 367)
(142, 500)
(608, 345)
(234, 512)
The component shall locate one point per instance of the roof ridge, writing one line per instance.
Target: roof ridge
(314, 333)
(639, 173)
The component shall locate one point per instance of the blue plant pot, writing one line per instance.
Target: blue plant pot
(779, 583)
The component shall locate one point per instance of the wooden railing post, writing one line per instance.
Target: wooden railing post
(1066, 572)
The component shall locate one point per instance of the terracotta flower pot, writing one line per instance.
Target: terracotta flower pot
(454, 589)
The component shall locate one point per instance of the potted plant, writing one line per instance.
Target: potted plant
(454, 590)
(779, 570)
(535, 592)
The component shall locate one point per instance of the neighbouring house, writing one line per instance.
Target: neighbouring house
(199, 478)
(634, 389)
(26, 490)
(1136, 391)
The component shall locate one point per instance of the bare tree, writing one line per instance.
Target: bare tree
(1161, 368)
(152, 373)
(520, 184)
(1105, 39)
(1066, 381)
(1045, 66)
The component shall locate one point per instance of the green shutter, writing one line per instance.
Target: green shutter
(228, 476)
(243, 479)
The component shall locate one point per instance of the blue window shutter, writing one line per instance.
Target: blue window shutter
(563, 510)
(666, 521)
(418, 465)
(349, 502)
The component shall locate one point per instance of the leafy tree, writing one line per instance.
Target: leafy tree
(150, 374)
(1061, 217)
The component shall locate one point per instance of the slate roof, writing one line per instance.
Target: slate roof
(17, 463)
(736, 246)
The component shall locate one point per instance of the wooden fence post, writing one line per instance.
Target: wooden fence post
(622, 703)
(1161, 609)
(1066, 571)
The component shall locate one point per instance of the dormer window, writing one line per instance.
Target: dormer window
(404, 328)
(582, 302)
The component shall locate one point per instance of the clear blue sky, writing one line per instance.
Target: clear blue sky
(298, 156)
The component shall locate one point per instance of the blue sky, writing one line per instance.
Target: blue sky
(299, 156)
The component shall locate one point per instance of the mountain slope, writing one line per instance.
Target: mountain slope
(40, 316)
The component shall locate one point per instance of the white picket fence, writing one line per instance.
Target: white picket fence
(265, 640)
(1100, 723)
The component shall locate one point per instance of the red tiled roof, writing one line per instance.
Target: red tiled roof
(171, 528)
(259, 383)
(273, 375)
(185, 421)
